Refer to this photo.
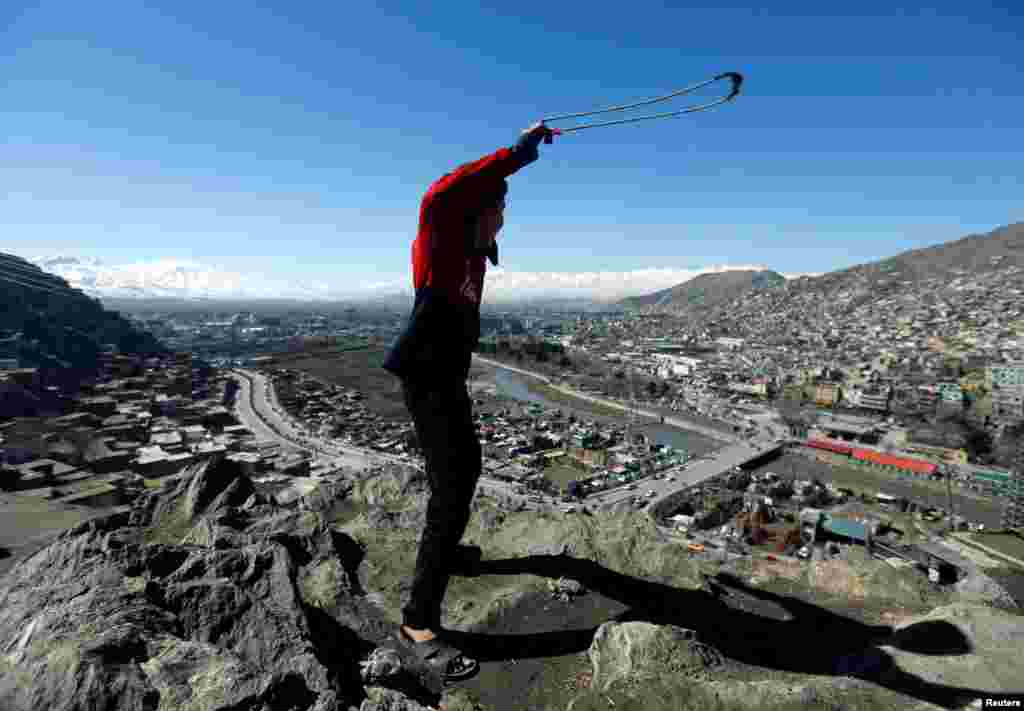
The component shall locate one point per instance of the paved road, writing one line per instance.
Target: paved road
(256, 408)
(248, 416)
(267, 409)
(717, 435)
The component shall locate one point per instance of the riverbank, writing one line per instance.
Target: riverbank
(557, 396)
(516, 384)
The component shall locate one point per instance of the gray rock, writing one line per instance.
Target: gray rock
(217, 476)
(622, 650)
(566, 589)
(979, 587)
(410, 519)
(237, 492)
(491, 520)
(555, 549)
(326, 494)
(97, 619)
(254, 502)
(411, 480)
(381, 664)
(381, 699)
(380, 518)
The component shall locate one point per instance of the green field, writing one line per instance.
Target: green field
(862, 476)
(562, 474)
(549, 393)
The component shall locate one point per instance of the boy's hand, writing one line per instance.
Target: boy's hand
(536, 133)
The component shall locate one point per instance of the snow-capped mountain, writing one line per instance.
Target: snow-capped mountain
(173, 278)
(183, 279)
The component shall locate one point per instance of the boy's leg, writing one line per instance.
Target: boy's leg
(470, 463)
(436, 423)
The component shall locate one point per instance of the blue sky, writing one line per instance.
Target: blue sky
(296, 139)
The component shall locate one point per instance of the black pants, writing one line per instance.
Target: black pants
(442, 413)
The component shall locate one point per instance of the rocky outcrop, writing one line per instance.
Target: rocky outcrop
(987, 657)
(664, 667)
(980, 588)
(324, 495)
(99, 620)
(566, 589)
(381, 518)
(634, 650)
(193, 602)
(209, 595)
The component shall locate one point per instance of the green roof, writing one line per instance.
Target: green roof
(845, 527)
(992, 476)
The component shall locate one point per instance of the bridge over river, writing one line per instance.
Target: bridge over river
(705, 469)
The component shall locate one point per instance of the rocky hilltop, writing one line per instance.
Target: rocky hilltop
(213, 593)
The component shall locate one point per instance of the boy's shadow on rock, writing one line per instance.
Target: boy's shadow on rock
(745, 624)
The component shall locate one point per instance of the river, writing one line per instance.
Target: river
(513, 385)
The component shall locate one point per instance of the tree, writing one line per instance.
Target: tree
(652, 388)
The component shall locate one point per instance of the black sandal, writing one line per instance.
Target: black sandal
(438, 653)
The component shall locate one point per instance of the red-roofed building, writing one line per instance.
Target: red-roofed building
(830, 446)
(916, 466)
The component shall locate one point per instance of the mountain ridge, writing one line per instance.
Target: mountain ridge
(705, 291)
(974, 253)
(47, 323)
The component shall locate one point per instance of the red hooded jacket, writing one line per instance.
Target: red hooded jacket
(448, 277)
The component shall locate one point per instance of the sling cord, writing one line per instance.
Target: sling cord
(734, 77)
